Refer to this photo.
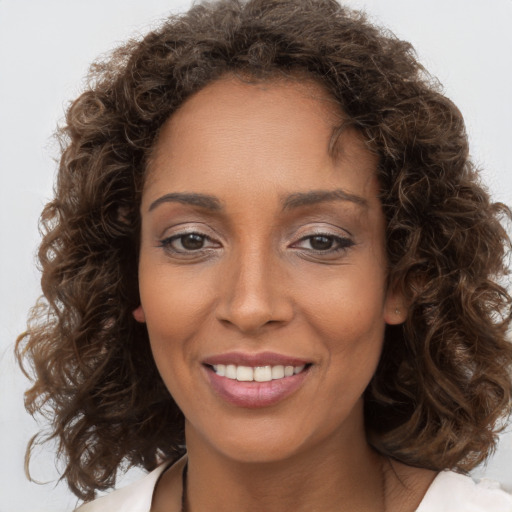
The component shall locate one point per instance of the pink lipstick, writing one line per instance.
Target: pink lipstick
(255, 380)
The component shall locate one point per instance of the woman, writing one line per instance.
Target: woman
(270, 274)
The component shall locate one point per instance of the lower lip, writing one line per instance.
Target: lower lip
(252, 395)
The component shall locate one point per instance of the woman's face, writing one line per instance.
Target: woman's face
(262, 257)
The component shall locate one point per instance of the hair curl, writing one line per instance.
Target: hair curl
(443, 383)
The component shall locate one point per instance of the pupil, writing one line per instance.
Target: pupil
(321, 243)
(192, 241)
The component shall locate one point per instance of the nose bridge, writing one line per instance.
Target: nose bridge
(253, 291)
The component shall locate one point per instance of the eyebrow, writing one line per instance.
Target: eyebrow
(295, 200)
(321, 196)
(201, 200)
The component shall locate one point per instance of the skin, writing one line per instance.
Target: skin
(257, 280)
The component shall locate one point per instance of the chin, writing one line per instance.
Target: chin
(258, 442)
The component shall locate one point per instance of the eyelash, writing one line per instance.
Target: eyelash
(166, 243)
(342, 244)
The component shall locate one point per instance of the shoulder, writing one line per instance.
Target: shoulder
(453, 492)
(136, 497)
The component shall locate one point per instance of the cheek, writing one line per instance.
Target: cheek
(174, 302)
(346, 315)
(347, 305)
(174, 306)
(344, 318)
(171, 325)
(353, 341)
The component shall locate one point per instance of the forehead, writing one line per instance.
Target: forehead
(232, 132)
(235, 95)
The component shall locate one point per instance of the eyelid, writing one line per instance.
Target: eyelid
(173, 233)
(343, 240)
(319, 229)
(188, 227)
(322, 225)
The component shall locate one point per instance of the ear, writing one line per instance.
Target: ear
(395, 308)
(139, 315)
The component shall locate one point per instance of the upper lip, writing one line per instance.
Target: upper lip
(258, 359)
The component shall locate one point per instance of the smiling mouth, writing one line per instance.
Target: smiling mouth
(255, 386)
(255, 380)
(267, 373)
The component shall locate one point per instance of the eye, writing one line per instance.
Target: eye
(192, 241)
(188, 242)
(324, 243)
(321, 242)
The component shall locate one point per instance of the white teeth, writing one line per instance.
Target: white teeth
(244, 373)
(288, 371)
(231, 371)
(262, 373)
(257, 373)
(278, 372)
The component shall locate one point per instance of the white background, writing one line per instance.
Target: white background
(45, 49)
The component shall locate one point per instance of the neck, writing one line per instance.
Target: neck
(347, 473)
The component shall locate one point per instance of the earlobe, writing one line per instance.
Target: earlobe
(139, 315)
(396, 309)
(396, 316)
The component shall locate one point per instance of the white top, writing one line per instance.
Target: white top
(449, 492)
(453, 492)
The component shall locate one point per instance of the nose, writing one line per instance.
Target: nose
(254, 294)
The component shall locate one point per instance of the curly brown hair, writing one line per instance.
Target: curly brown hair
(443, 384)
